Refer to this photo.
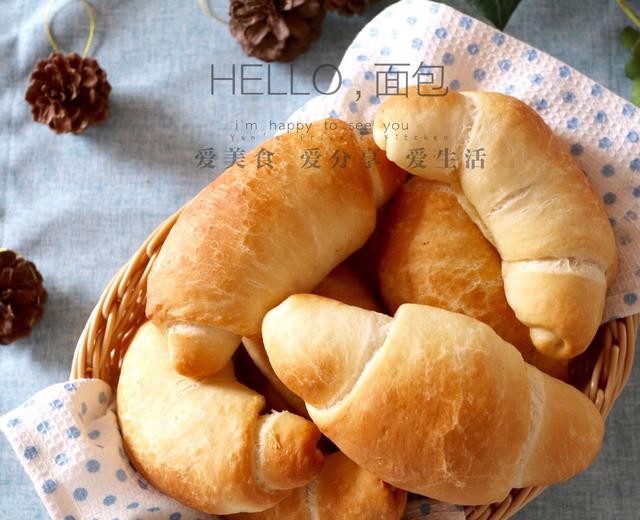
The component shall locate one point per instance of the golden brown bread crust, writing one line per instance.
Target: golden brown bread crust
(343, 284)
(430, 401)
(342, 491)
(431, 253)
(541, 211)
(256, 235)
(346, 285)
(202, 441)
(253, 236)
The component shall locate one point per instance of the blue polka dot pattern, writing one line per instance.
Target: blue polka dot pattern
(43, 427)
(635, 165)
(448, 58)
(466, 22)
(142, 484)
(632, 136)
(61, 459)
(368, 75)
(412, 20)
(69, 517)
(573, 123)
(362, 57)
(30, 453)
(49, 486)
(504, 65)
(416, 43)
(93, 435)
(531, 55)
(121, 475)
(73, 432)
(576, 149)
(498, 38)
(600, 117)
(80, 494)
(473, 49)
(568, 97)
(541, 104)
(93, 466)
(347, 82)
(12, 423)
(56, 404)
(454, 85)
(628, 110)
(596, 90)
(353, 107)
(604, 143)
(564, 71)
(175, 516)
(609, 198)
(509, 89)
(537, 79)
(385, 51)
(479, 74)
(630, 298)
(69, 387)
(441, 33)
(607, 170)
(133, 505)
(109, 500)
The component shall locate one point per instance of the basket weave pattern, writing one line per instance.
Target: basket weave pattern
(600, 373)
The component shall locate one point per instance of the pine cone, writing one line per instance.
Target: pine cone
(22, 296)
(275, 30)
(346, 7)
(68, 93)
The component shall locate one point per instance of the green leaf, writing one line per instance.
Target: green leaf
(497, 12)
(635, 92)
(632, 67)
(629, 37)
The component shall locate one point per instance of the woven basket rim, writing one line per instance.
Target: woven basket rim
(120, 311)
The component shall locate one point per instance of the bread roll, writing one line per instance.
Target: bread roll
(530, 199)
(430, 401)
(256, 235)
(342, 284)
(204, 442)
(342, 491)
(432, 253)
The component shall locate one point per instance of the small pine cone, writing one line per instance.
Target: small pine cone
(22, 296)
(68, 93)
(346, 7)
(275, 30)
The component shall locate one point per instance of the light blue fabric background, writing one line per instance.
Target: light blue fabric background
(80, 205)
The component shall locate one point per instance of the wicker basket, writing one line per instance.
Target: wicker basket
(601, 372)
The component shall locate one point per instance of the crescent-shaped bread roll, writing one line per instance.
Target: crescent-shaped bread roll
(342, 491)
(430, 401)
(343, 284)
(431, 253)
(204, 442)
(528, 196)
(261, 231)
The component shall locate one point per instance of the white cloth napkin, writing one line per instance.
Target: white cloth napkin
(601, 129)
(68, 441)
